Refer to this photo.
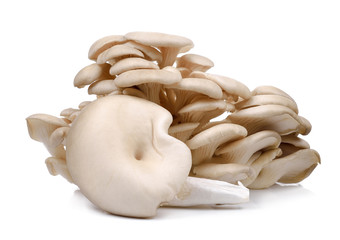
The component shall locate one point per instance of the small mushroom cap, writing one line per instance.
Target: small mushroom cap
(228, 85)
(259, 100)
(270, 90)
(289, 169)
(140, 76)
(160, 40)
(241, 150)
(269, 117)
(206, 105)
(90, 74)
(57, 166)
(183, 131)
(40, 128)
(219, 134)
(104, 43)
(195, 62)
(128, 64)
(121, 157)
(150, 53)
(199, 85)
(118, 51)
(102, 87)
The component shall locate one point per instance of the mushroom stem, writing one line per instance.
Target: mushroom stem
(152, 91)
(202, 191)
(169, 56)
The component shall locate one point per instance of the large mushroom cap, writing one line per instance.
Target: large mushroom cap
(121, 157)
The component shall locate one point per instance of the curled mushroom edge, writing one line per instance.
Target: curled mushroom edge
(164, 131)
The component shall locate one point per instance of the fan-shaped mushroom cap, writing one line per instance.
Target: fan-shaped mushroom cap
(199, 85)
(150, 53)
(204, 144)
(289, 169)
(270, 90)
(228, 85)
(140, 76)
(241, 150)
(259, 100)
(128, 64)
(104, 43)
(118, 51)
(91, 73)
(195, 62)
(41, 127)
(269, 117)
(121, 157)
(258, 163)
(134, 92)
(169, 45)
(103, 87)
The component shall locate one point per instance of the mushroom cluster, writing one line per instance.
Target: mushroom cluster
(151, 139)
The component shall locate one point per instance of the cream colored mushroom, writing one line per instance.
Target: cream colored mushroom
(91, 73)
(270, 90)
(241, 150)
(195, 62)
(104, 87)
(289, 169)
(150, 81)
(204, 144)
(189, 88)
(150, 53)
(117, 52)
(128, 64)
(121, 157)
(270, 117)
(229, 85)
(41, 127)
(169, 45)
(104, 43)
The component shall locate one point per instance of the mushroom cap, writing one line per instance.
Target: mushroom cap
(199, 85)
(195, 62)
(161, 40)
(150, 53)
(269, 117)
(140, 76)
(270, 90)
(259, 100)
(91, 73)
(228, 85)
(118, 51)
(104, 43)
(220, 133)
(121, 157)
(128, 64)
(102, 87)
(206, 105)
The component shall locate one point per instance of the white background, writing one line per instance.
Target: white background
(293, 45)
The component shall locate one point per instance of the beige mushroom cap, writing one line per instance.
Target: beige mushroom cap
(270, 90)
(104, 43)
(270, 117)
(195, 62)
(91, 73)
(40, 128)
(241, 150)
(121, 157)
(103, 87)
(128, 64)
(228, 85)
(117, 52)
(140, 76)
(169, 45)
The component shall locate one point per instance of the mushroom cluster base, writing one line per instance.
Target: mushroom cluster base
(150, 138)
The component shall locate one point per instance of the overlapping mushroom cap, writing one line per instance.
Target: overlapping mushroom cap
(256, 144)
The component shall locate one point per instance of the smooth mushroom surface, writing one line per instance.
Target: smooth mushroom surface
(165, 132)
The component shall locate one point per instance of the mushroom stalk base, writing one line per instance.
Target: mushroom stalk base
(202, 191)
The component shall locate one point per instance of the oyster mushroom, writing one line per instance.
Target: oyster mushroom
(104, 43)
(194, 62)
(169, 45)
(127, 164)
(128, 64)
(150, 81)
(118, 52)
(204, 144)
(91, 73)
